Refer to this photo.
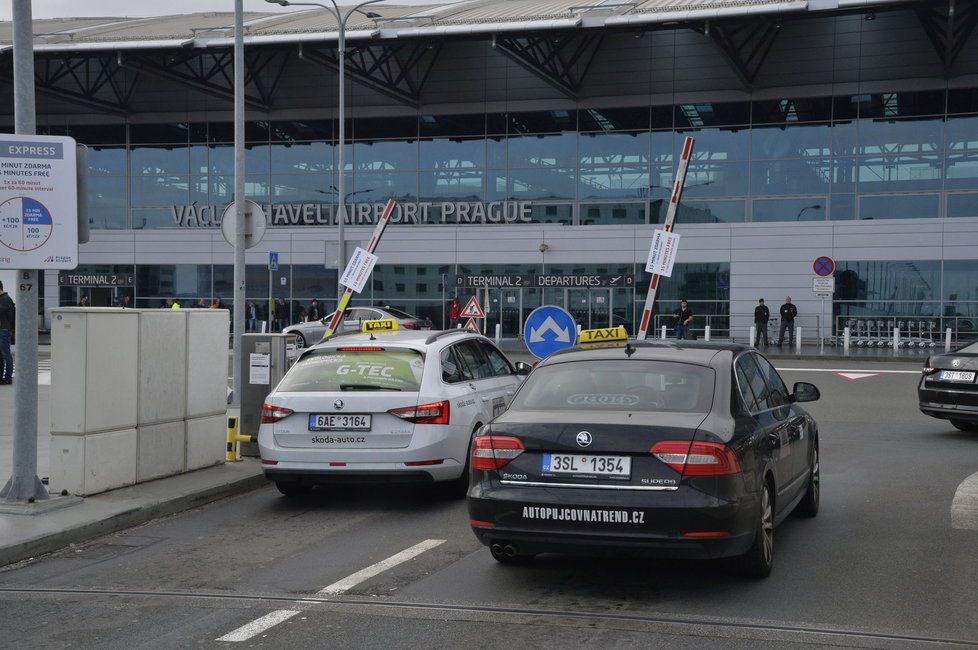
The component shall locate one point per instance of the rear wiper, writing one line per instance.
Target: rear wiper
(366, 387)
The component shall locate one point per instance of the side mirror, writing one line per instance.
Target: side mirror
(805, 392)
(523, 368)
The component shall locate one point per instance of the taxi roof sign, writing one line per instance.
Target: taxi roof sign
(385, 325)
(604, 335)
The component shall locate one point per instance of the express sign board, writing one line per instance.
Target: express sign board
(38, 202)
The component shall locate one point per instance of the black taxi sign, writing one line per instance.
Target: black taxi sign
(385, 325)
(604, 335)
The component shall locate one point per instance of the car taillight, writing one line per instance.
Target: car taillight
(409, 325)
(697, 458)
(270, 414)
(433, 413)
(494, 452)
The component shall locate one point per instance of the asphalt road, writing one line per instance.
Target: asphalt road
(879, 567)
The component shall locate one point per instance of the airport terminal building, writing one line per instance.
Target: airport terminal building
(531, 146)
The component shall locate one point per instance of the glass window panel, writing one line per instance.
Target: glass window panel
(297, 130)
(221, 188)
(369, 128)
(842, 207)
(496, 156)
(802, 209)
(961, 133)
(614, 119)
(900, 136)
(256, 282)
(221, 158)
(152, 218)
(888, 280)
(106, 192)
(551, 213)
(899, 206)
(844, 172)
(961, 281)
(543, 150)
(159, 160)
(302, 188)
(176, 133)
(846, 107)
(844, 138)
(714, 179)
(962, 205)
(453, 125)
(496, 123)
(701, 211)
(717, 144)
(106, 161)
(962, 100)
(379, 186)
(612, 214)
(386, 154)
(962, 171)
(419, 282)
(617, 148)
(901, 104)
(712, 114)
(295, 157)
(797, 141)
(187, 281)
(224, 131)
(780, 111)
(543, 121)
(453, 185)
(662, 117)
(614, 181)
(798, 176)
(900, 173)
(160, 190)
(543, 183)
(98, 133)
(453, 153)
(708, 282)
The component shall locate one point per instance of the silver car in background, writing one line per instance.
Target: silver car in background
(312, 332)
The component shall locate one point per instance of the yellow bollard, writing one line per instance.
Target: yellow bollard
(231, 455)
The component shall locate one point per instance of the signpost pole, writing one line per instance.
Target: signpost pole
(677, 191)
(371, 247)
(238, 319)
(24, 485)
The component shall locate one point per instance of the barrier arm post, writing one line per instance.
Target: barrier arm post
(677, 191)
(371, 247)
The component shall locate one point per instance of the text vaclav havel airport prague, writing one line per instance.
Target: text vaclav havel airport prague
(365, 214)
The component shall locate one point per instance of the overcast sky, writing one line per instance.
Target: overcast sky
(76, 8)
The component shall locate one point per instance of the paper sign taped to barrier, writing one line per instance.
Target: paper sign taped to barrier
(662, 253)
(358, 269)
(259, 368)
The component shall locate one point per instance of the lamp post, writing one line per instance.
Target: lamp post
(341, 18)
(807, 207)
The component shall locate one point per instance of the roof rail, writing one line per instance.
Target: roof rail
(437, 335)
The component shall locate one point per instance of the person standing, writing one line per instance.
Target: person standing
(683, 318)
(788, 313)
(314, 313)
(175, 304)
(281, 314)
(761, 315)
(8, 318)
(251, 311)
(454, 312)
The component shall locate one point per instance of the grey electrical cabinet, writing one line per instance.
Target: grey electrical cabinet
(265, 358)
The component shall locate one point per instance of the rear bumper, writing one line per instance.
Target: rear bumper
(375, 477)
(949, 404)
(663, 524)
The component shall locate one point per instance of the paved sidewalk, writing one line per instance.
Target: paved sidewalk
(24, 536)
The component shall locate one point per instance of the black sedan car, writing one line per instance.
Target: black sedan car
(692, 450)
(948, 389)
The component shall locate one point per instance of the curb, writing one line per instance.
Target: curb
(50, 542)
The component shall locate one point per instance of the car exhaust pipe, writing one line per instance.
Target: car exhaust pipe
(509, 550)
(497, 549)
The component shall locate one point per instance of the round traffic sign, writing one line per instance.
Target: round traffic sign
(548, 329)
(255, 224)
(824, 266)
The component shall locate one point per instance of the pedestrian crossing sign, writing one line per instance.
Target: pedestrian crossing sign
(473, 309)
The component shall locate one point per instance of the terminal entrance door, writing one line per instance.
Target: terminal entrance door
(510, 307)
(591, 308)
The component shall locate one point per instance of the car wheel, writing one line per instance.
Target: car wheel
(300, 340)
(808, 506)
(292, 488)
(759, 559)
(965, 425)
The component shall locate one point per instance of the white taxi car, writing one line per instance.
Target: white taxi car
(394, 407)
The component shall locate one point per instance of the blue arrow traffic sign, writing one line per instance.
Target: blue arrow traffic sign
(548, 329)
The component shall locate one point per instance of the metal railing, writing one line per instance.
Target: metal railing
(914, 331)
(737, 327)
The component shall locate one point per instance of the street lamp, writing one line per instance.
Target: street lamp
(807, 207)
(341, 18)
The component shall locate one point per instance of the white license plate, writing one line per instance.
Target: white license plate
(584, 464)
(339, 422)
(956, 375)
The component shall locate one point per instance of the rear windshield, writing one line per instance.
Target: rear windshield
(397, 313)
(618, 385)
(349, 370)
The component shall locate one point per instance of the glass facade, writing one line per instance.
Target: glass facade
(868, 156)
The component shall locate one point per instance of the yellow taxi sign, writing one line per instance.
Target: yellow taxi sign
(385, 325)
(604, 335)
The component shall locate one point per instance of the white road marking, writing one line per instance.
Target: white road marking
(964, 506)
(353, 580)
(886, 372)
(855, 376)
(258, 626)
(267, 621)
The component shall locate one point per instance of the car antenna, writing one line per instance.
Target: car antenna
(372, 337)
(629, 350)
